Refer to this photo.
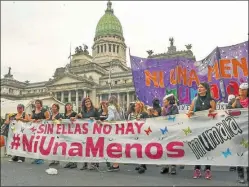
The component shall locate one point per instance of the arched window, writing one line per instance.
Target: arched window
(114, 48)
(105, 47)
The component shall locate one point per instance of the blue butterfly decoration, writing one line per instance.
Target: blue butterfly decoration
(90, 121)
(171, 118)
(164, 131)
(227, 153)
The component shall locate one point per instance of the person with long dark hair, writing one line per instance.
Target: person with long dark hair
(88, 111)
(39, 114)
(70, 114)
(55, 116)
(203, 101)
(241, 101)
(169, 108)
(103, 110)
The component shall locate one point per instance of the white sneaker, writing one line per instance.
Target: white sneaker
(19, 161)
(10, 160)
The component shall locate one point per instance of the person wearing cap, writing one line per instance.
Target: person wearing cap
(169, 108)
(203, 101)
(19, 116)
(241, 101)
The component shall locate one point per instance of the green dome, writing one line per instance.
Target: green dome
(109, 24)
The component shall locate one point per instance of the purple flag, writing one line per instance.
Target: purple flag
(225, 68)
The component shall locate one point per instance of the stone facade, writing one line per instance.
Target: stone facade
(98, 75)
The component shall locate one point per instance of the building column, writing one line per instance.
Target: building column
(94, 97)
(69, 96)
(77, 101)
(84, 94)
(55, 95)
(118, 98)
(100, 98)
(128, 100)
(62, 97)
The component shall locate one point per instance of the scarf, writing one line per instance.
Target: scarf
(244, 103)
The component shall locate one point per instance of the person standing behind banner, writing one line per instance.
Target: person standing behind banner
(131, 112)
(241, 101)
(169, 108)
(88, 111)
(103, 110)
(115, 113)
(22, 116)
(140, 113)
(70, 114)
(55, 115)
(37, 116)
(203, 101)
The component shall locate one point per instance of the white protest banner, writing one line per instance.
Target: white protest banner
(203, 139)
(184, 108)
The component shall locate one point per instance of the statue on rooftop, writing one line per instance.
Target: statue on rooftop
(150, 52)
(189, 46)
(80, 49)
(9, 73)
(171, 41)
(76, 50)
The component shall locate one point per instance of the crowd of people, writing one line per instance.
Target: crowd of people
(111, 111)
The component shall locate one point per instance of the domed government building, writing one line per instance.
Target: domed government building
(96, 75)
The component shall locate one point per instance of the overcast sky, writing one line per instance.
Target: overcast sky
(36, 36)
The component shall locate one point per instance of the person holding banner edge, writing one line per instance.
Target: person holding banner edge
(140, 113)
(88, 111)
(55, 116)
(241, 101)
(169, 108)
(203, 101)
(22, 116)
(70, 114)
(38, 114)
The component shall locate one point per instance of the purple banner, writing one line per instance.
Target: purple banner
(225, 68)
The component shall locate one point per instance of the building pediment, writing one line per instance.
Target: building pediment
(68, 78)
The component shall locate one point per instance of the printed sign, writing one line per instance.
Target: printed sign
(203, 139)
(224, 69)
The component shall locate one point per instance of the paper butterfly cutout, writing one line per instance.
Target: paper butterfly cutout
(91, 121)
(227, 153)
(212, 115)
(33, 129)
(164, 131)
(244, 143)
(240, 154)
(148, 131)
(187, 131)
(171, 118)
(110, 139)
(106, 159)
(136, 138)
(22, 129)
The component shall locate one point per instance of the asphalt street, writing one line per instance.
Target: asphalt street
(27, 174)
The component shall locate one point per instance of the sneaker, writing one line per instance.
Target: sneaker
(173, 170)
(10, 160)
(141, 170)
(19, 161)
(84, 167)
(241, 180)
(68, 165)
(137, 168)
(73, 165)
(112, 168)
(197, 174)
(208, 174)
(232, 169)
(93, 166)
(164, 170)
(52, 163)
(182, 167)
